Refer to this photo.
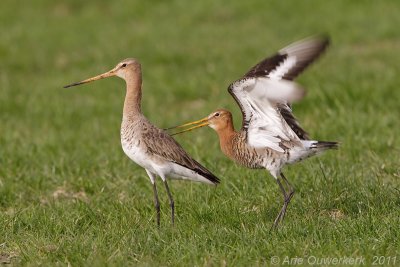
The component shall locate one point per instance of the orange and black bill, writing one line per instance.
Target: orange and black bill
(197, 124)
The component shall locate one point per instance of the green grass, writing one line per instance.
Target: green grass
(68, 194)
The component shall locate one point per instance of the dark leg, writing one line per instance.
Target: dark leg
(291, 189)
(156, 203)
(171, 202)
(287, 197)
(277, 219)
(287, 183)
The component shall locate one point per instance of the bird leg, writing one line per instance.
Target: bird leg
(156, 203)
(291, 193)
(288, 196)
(171, 202)
(277, 219)
(286, 199)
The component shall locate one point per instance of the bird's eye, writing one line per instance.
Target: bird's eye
(123, 65)
(217, 114)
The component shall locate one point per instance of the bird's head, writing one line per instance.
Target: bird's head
(219, 120)
(123, 69)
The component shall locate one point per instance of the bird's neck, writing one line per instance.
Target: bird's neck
(226, 136)
(133, 97)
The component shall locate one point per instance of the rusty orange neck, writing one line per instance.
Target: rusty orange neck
(226, 136)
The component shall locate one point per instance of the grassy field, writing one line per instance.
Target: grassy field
(69, 196)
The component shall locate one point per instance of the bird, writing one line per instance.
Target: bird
(270, 137)
(147, 145)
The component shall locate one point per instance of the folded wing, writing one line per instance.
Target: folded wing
(174, 152)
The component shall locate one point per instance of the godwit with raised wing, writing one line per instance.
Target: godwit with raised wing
(270, 136)
(150, 147)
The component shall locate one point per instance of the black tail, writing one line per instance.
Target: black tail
(325, 145)
(311, 148)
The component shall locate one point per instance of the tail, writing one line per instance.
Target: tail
(320, 146)
(311, 148)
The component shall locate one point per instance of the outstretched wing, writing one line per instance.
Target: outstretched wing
(259, 99)
(290, 61)
(266, 91)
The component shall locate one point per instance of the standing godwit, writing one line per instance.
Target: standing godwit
(150, 147)
(270, 136)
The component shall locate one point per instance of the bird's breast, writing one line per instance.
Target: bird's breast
(133, 146)
(250, 157)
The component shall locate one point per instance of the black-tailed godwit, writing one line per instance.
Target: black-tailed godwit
(150, 147)
(270, 136)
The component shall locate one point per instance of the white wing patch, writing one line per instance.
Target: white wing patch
(283, 68)
(258, 98)
(267, 87)
(267, 90)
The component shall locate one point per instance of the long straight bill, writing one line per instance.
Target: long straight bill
(98, 77)
(200, 123)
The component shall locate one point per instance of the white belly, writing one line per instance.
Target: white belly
(137, 154)
(158, 166)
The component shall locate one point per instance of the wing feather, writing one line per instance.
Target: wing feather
(290, 61)
(266, 91)
(262, 121)
(304, 53)
(167, 148)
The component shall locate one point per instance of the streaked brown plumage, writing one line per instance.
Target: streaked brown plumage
(235, 146)
(150, 147)
(270, 137)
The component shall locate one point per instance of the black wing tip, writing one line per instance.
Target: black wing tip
(203, 171)
(325, 37)
(207, 174)
(325, 40)
(322, 36)
(214, 179)
(318, 42)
